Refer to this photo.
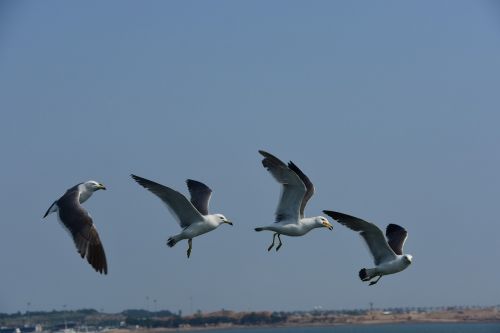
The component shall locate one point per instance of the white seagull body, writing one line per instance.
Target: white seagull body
(79, 224)
(296, 191)
(192, 215)
(387, 254)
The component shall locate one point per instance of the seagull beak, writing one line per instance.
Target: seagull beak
(228, 222)
(329, 226)
(102, 187)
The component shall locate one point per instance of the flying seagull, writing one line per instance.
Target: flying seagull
(296, 191)
(78, 223)
(192, 215)
(387, 254)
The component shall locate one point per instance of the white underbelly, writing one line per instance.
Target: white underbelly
(392, 267)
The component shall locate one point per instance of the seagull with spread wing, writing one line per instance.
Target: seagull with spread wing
(296, 191)
(192, 215)
(387, 254)
(79, 224)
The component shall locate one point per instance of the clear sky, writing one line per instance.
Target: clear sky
(390, 107)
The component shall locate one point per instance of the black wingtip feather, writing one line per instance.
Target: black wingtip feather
(191, 183)
(393, 227)
(48, 210)
(332, 214)
(143, 181)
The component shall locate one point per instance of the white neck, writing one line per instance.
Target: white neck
(310, 223)
(84, 193)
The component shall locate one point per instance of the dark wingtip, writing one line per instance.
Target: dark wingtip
(48, 210)
(138, 179)
(296, 169)
(258, 229)
(393, 227)
(191, 182)
(332, 214)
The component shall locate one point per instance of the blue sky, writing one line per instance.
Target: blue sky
(391, 108)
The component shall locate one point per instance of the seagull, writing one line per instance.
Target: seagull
(387, 254)
(78, 223)
(296, 191)
(192, 216)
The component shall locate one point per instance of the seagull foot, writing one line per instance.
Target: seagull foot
(280, 244)
(190, 247)
(272, 244)
(373, 282)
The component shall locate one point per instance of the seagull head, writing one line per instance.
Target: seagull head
(408, 258)
(322, 222)
(222, 219)
(93, 186)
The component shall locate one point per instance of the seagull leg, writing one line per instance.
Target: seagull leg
(279, 245)
(373, 282)
(190, 243)
(272, 244)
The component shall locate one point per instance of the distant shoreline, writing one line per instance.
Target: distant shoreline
(306, 325)
(141, 321)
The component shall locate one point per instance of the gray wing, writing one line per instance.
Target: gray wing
(200, 195)
(79, 224)
(396, 237)
(292, 192)
(372, 235)
(183, 210)
(309, 186)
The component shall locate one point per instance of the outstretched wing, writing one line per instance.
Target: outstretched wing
(79, 224)
(396, 237)
(200, 195)
(292, 192)
(309, 186)
(183, 210)
(372, 235)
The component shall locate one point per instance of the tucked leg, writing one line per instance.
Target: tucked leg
(373, 282)
(279, 245)
(272, 244)
(190, 247)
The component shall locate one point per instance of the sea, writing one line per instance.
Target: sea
(381, 328)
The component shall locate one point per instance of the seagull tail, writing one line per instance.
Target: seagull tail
(171, 241)
(260, 229)
(52, 209)
(366, 274)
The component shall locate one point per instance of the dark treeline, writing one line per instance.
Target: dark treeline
(251, 318)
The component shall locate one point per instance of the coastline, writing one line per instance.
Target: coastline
(373, 319)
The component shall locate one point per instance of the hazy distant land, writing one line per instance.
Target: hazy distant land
(141, 320)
